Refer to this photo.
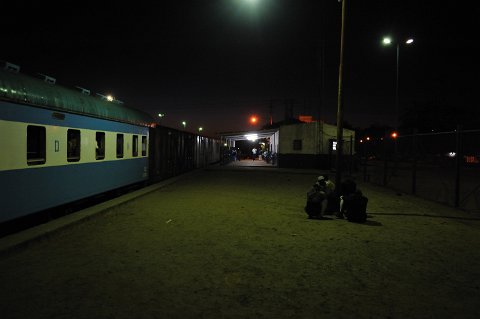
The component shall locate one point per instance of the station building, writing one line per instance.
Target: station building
(300, 145)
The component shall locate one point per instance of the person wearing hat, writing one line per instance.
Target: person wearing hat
(329, 191)
(330, 185)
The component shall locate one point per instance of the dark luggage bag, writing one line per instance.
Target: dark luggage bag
(356, 209)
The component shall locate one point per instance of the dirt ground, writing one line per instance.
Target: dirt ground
(237, 244)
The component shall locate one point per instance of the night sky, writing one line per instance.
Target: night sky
(213, 63)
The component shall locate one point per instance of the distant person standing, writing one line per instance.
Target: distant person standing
(254, 153)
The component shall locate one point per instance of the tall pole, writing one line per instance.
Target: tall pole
(338, 175)
(397, 112)
(397, 106)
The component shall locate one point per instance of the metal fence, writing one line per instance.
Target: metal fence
(440, 166)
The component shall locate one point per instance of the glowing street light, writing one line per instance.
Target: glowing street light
(200, 129)
(161, 115)
(253, 119)
(184, 124)
(389, 41)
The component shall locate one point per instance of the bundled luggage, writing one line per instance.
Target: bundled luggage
(355, 207)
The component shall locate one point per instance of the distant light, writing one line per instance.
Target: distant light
(361, 141)
(253, 119)
(452, 154)
(200, 129)
(251, 137)
(368, 138)
(387, 40)
(161, 115)
(184, 123)
(110, 98)
(394, 135)
(409, 41)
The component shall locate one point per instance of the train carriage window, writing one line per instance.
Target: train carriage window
(73, 145)
(144, 146)
(100, 145)
(135, 145)
(119, 145)
(36, 146)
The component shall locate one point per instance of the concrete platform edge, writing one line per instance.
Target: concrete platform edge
(15, 242)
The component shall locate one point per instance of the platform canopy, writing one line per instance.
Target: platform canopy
(247, 135)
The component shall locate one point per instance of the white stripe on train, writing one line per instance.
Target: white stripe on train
(13, 146)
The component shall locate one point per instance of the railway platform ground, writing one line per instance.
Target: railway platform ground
(234, 242)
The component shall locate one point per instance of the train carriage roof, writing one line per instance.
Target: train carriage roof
(20, 88)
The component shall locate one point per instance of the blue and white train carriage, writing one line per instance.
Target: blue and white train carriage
(58, 145)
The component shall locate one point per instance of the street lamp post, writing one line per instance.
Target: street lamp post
(389, 41)
(161, 116)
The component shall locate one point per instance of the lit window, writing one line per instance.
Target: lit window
(100, 145)
(36, 147)
(144, 146)
(73, 145)
(119, 145)
(135, 146)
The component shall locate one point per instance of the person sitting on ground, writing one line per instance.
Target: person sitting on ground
(328, 187)
(348, 188)
(316, 197)
(332, 198)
